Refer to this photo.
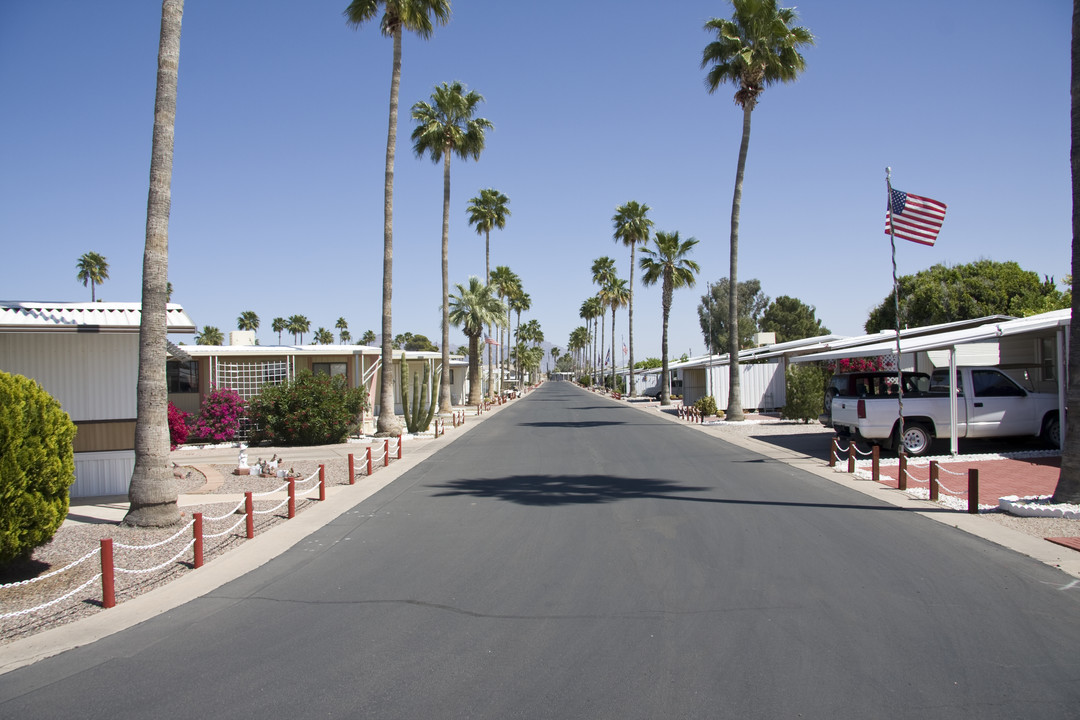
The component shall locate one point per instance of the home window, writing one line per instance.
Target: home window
(328, 368)
(182, 377)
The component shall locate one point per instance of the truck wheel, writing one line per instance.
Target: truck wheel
(917, 439)
(1051, 431)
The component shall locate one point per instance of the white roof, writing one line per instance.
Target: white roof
(25, 316)
(873, 345)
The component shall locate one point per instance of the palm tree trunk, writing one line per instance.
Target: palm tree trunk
(613, 388)
(665, 380)
(387, 423)
(152, 493)
(474, 370)
(1068, 485)
(734, 410)
(600, 360)
(445, 406)
(630, 306)
(487, 276)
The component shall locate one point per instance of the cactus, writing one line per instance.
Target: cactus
(418, 416)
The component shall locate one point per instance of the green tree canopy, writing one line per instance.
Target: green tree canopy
(713, 313)
(92, 269)
(942, 294)
(210, 335)
(248, 320)
(791, 319)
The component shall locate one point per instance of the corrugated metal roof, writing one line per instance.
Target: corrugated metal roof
(25, 316)
(874, 345)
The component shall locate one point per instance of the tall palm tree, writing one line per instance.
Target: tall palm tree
(668, 265)
(343, 328)
(368, 337)
(1068, 484)
(279, 325)
(603, 272)
(298, 325)
(346, 337)
(585, 313)
(92, 269)
(555, 353)
(757, 47)
(488, 211)
(473, 308)
(210, 335)
(632, 227)
(592, 311)
(506, 282)
(518, 302)
(248, 320)
(417, 16)
(152, 493)
(446, 127)
(614, 295)
(323, 337)
(578, 343)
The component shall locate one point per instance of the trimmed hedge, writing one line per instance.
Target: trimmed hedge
(37, 466)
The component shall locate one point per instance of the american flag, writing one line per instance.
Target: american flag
(914, 218)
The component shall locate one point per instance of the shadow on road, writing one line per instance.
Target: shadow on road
(552, 490)
(573, 423)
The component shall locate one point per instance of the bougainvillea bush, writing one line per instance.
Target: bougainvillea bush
(178, 426)
(308, 410)
(220, 416)
(37, 466)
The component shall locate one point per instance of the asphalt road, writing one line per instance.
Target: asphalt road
(577, 558)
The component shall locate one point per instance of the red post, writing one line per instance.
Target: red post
(901, 477)
(973, 491)
(369, 460)
(198, 540)
(249, 508)
(934, 488)
(352, 470)
(399, 446)
(832, 452)
(322, 483)
(851, 456)
(876, 463)
(292, 498)
(386, 452)
(108, 583)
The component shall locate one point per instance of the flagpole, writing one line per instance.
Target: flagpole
(896, 308)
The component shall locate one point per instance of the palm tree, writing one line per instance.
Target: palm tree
(488, 211)
(555, 353)
(518, 302)
(578, 343)
(210, 335)
(614, 295)
(757, 47)
(603, 272)
(473, 308)
(248, 320)
(368, 337)
(506, 282)
(152, 493)
(92, 269)
(632, 227)
(343, 327)
(1068, 484)
(323, 337)
(279, 325)
(668, 265)
(591, 311)
(446, 127)
(415, 16)
(298, 325)
(346, 337)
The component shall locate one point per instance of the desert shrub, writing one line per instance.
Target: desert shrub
(805, 388)
(37, 466)
(308, 410)
(585, 380)
(178, 426)
(220, 416)
(706, 405)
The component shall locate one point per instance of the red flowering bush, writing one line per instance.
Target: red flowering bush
(220, 416)
(858, 364)
(178, 426)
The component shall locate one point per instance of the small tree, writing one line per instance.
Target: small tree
(308, 410)
(37, 466)
(805, 388)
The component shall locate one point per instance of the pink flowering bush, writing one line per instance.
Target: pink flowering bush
(178, 426)
(858, 364)
(220, 416)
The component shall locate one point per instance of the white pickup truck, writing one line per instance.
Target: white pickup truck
(995, 406)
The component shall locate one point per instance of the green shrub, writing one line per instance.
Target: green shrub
(308, 410)
(706, 405)
(37, 466)
(805, 389)
(585, 380)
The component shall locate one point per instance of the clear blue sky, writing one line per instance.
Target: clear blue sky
(281, 135)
